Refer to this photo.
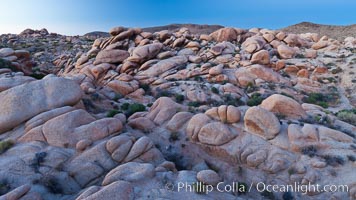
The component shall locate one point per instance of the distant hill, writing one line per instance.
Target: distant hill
(193, 28)
(97, 34)
(336, 32)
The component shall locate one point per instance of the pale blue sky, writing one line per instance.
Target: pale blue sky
(73, 17)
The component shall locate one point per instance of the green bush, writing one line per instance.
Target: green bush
(179, 98)
(4, 187)
(194, 104)
(145, 87)
(215, 90)
(5, 64)
(333, 160)
(125, 106)
(174, 136)
(112, 113)
(348, 116)
(5, 145)
(164, 93)
(198, 79)
(230, 100)
(320, 99)
(256, 99)
(309, 151)
(133, 108)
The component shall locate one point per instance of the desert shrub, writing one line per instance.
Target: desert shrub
(174, 136)
(251, 87)
(287, 95)
(51, 183)
(321, 99)
(178, 160)
(4, 187)
(287, 196)
(135, 107)
(112, 113)
(336, 70)
(351, 158)
(164, 93)
(117, 96)
(299, 55)
(6, 64)
(38, 160)
(37, 76)
(179, 98)
(125, 106)
(230, 100)
(309, 150)
(199, 187)
(194, 104)
(214, 90)
(198, 79)
(256, 99)
(268, 195)
(5, 145)
(333, 160)
(145, 87)
(348, 116)
(291, 171)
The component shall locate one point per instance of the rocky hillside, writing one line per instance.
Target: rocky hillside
(137, 114)
(336, 32)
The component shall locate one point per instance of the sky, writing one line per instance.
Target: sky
(76, 17)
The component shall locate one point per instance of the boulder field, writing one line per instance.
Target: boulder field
(135, 114)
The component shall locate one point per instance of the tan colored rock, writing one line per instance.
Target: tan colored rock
(321, 70)
(178, 42)
(163, 109)
(253, 44)
(116, 30)
(25, 101)
(224, 34)
(281, 36)
(119, 147)
(208, 177)
(164, 65)
(7, 83)
(319, 45)
(195, 124)
(303, 73)
(302, 137)
(142, 123)
(260, 57)
(225, 114)
(111, 56)
(280, 64)
(16, 193)
(268, 37)
(310, 53)
(143, 53)
(205, 37)
(178, 120)
(141, 146)
(131, 171)
(283, 105)
(262, 122)
(5, 52)
(123, 87)
(68, 129)
(285, 52)
(215, 133)
(122, 190)
(216, 70)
